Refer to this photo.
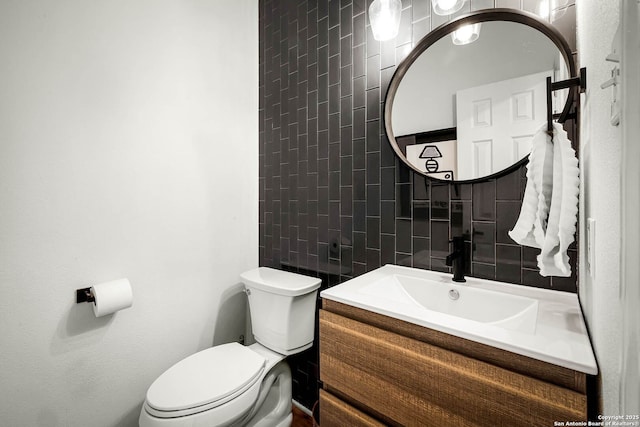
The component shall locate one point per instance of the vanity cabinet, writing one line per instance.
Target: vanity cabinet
(377, 370)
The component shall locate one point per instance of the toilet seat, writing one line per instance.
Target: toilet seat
(206, 380)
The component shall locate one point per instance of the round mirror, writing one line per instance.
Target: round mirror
(466, 102)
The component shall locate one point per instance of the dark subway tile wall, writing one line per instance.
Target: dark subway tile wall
(335, 201)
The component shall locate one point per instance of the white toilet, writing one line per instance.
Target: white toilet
(234, 385)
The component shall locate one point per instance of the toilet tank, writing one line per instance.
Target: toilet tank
(282, 306)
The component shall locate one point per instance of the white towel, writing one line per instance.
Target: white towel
(561, 227)
(549, 210)
(530, 229)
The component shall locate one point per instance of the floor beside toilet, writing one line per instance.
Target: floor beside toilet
(300, 419)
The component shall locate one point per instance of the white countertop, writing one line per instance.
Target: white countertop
(559, 335)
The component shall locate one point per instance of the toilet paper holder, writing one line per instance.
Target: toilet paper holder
(107, 297)
(84, 295)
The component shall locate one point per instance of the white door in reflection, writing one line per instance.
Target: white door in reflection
(496, 122)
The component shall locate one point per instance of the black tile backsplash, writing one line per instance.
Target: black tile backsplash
(335, 201)
(484, 201)
(506, 216)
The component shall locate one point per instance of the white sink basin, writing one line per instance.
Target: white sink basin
(446, 297)
(539, 323)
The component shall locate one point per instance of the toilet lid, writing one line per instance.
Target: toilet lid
(216, 374)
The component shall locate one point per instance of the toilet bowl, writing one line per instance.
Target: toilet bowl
(236, 385)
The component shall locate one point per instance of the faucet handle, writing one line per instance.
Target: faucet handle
(448, 261)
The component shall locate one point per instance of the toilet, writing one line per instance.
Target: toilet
(236, 385)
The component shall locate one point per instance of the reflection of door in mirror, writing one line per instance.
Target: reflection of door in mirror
(496, 123)
(486, 98)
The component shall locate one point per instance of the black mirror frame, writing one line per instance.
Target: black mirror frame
(487, 15)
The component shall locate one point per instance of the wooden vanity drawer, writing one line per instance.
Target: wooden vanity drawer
(336, 413)
(412, 383)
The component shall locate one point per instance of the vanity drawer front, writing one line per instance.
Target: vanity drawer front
(336, 413)
(413, 383)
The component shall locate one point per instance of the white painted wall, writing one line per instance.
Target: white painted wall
(630, 241)
(600, 163)
(128, 147)
(425, 100)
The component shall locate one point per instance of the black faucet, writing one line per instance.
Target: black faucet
(456, 259)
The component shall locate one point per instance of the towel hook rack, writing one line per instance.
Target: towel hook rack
(579, 82)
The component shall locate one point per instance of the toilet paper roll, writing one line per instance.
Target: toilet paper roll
(111, 296)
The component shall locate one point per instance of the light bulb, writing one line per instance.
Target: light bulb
(551, 8)
(543, 9)
(446, 4)
(384, 16)
(446, 7)
(466, 34)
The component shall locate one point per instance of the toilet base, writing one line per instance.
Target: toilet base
(276, 408)
(286, 422)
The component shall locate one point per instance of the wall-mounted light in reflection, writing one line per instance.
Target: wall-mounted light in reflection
(384, 16)
(467, 34)
(446, 7)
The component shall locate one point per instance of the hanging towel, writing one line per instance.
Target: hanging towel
(561, 226)
(549, 210)
(530, 229)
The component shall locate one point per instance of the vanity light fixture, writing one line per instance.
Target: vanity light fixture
(446, 7)
(466, 34)
(384, 16)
